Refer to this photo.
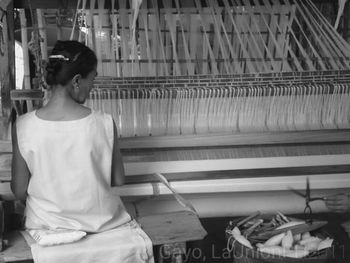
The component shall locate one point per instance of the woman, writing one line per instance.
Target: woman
(66, 158)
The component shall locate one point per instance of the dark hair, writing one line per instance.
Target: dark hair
(69, 58)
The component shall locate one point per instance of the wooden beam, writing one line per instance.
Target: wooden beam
(140, 168)
(7, 61)
(45, 4)
(72, 4)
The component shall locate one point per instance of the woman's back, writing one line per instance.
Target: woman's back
(70, 165)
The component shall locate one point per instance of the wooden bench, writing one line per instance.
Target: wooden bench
(171, 229)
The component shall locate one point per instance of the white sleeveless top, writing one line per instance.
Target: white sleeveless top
(70, 164)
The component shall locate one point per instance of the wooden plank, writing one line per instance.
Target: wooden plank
(180, 226)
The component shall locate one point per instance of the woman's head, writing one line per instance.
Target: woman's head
(73, 65)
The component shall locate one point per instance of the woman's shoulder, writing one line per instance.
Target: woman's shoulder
(102, 115)
(25, 118)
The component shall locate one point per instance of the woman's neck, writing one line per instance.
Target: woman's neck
(62, 107)
(61, 99)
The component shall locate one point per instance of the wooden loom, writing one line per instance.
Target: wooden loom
(233, 103)
(233, 116)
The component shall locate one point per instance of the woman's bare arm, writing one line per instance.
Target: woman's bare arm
(20, 172)
(118, 174)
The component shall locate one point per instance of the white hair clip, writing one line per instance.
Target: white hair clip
(61, 57)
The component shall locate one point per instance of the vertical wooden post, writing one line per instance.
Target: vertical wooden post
(7, 67)
(42, 32)
(346, 16)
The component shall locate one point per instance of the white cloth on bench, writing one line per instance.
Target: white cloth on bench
(125, 244)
